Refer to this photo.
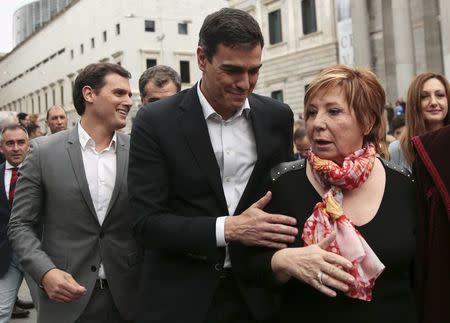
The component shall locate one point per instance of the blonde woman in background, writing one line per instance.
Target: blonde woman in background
(426, 110)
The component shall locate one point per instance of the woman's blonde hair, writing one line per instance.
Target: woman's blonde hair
(414, 119)
(364, 95)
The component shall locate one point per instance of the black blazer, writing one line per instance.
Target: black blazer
(176, 195)
(5, 211)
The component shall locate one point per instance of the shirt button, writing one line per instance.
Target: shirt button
(93, 268)
(227, 179)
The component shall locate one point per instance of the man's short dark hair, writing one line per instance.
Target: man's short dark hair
(159, 75)
(93, 75)
(21, 116)
(55, 107)
(230, 27)
(397, 122)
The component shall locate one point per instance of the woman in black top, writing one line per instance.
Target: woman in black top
(348, 201)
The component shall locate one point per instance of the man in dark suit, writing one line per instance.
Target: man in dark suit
(193, 166)
(14, 145)
(73, 183)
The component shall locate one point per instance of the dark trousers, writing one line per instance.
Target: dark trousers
(101, 308)
(228, 305)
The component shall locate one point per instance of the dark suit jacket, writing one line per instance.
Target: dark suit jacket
(176, 195)
(53, 191)
(5, 248)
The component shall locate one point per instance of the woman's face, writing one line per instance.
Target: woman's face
(434, 103)
(332, 126)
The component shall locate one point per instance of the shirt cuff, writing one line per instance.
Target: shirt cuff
(220, 232)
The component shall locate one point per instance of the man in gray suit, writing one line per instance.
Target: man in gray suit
(73, 186)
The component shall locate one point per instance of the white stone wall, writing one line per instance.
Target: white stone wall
(87, 19)
(292, 64)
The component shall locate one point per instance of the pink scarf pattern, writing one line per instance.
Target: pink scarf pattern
(328, 216)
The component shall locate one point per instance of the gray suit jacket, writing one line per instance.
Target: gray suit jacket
(53, 194)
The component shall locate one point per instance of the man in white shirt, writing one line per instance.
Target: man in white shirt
(74, 184)
(199, 166)
(14, 145)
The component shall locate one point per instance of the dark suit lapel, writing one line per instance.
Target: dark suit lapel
(193, 126)
(2, 181)
(3, 198)
(260, 131)
(76, 158)
(121, 162)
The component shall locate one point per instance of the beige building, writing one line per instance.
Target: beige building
(395, 38)
(137, 34)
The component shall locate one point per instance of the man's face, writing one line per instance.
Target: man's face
(110, 106)
(155, 93)
(230, 77)
(57, 120)
(303, 146)
(14, 146)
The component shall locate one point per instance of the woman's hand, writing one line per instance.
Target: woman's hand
(314, 266)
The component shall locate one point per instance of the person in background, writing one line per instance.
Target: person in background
(14, 145)
(398, 127)
(431, 169)
(56, 119)
(426, 110)
(34, 131)
(301, 143)
(158, 82)
(24, 119)
(352, 263)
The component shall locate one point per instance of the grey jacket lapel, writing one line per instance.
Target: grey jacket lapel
(76, 158)
(122, 161)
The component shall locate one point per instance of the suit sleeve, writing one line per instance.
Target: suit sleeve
(25, 222)
(156, 225)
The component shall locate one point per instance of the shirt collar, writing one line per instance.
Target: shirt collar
(86, 140)
(9, 166)
(209, 112)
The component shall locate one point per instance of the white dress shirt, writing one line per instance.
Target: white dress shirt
(234, 146)
(100, 169)
(8, 175)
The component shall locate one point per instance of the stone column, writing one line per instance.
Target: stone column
(361, 36)
(404, 45)
(444, 13)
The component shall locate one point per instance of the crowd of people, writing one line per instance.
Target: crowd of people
(205, 213)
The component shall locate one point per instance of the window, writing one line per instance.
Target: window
(184, 72)
(32, 105)
(53, 96)
(46, 100)
(309, 16)
(275, 35)
(151, 62)
(92, 42)
(277, 95)
(117, 29)
(81, 49)
(183, 28)
(71, 54)
(105, 37)
(61, 88)
(150, 25)
(39, 103)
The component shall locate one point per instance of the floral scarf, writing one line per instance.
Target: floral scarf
(328, 216)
